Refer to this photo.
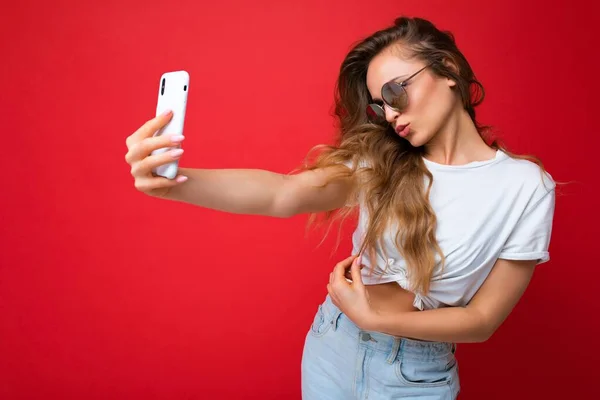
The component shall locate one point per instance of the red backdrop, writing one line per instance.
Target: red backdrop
(108, 294)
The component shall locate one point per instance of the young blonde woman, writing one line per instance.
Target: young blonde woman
(450, 227)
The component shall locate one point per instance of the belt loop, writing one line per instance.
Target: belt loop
(395, 350)
(336, 317)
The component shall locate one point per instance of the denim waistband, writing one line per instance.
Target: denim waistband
(395, 347)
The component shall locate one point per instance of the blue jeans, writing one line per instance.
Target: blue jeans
(341, 362)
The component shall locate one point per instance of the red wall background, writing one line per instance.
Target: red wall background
(108, 294)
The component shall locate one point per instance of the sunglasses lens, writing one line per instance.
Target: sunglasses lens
(375, 113)
(395, 95)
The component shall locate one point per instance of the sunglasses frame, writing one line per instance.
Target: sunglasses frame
(402, 85)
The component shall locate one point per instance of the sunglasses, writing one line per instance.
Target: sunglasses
(394, 95)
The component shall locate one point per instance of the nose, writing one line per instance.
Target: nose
(390, 114)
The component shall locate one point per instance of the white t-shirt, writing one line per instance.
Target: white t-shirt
(498, 208)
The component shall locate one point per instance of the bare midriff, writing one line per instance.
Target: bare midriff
(390, 298)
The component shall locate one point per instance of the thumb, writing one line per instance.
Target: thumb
(355, 271)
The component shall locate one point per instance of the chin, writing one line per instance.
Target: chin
(418, 139)
(415, 140)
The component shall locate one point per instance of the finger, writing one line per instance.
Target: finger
(355, 273)
(348, 275)
(146, 184)
(148, 164)
(149, 128)
(338, 272)
(347, 261)
(341, 267)
(145, 147)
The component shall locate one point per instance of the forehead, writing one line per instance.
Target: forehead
(385, 67)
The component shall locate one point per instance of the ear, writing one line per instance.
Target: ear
(448, 63)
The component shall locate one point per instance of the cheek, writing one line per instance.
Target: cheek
(430, 104)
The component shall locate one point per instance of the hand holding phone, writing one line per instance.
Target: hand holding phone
(172, 95)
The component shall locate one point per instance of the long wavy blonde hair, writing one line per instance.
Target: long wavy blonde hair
(390, 170)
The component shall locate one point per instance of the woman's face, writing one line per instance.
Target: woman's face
(431, 100)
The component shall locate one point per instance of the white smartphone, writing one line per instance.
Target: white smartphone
(172, 95)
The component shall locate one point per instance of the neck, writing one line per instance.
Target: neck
(458, 142)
